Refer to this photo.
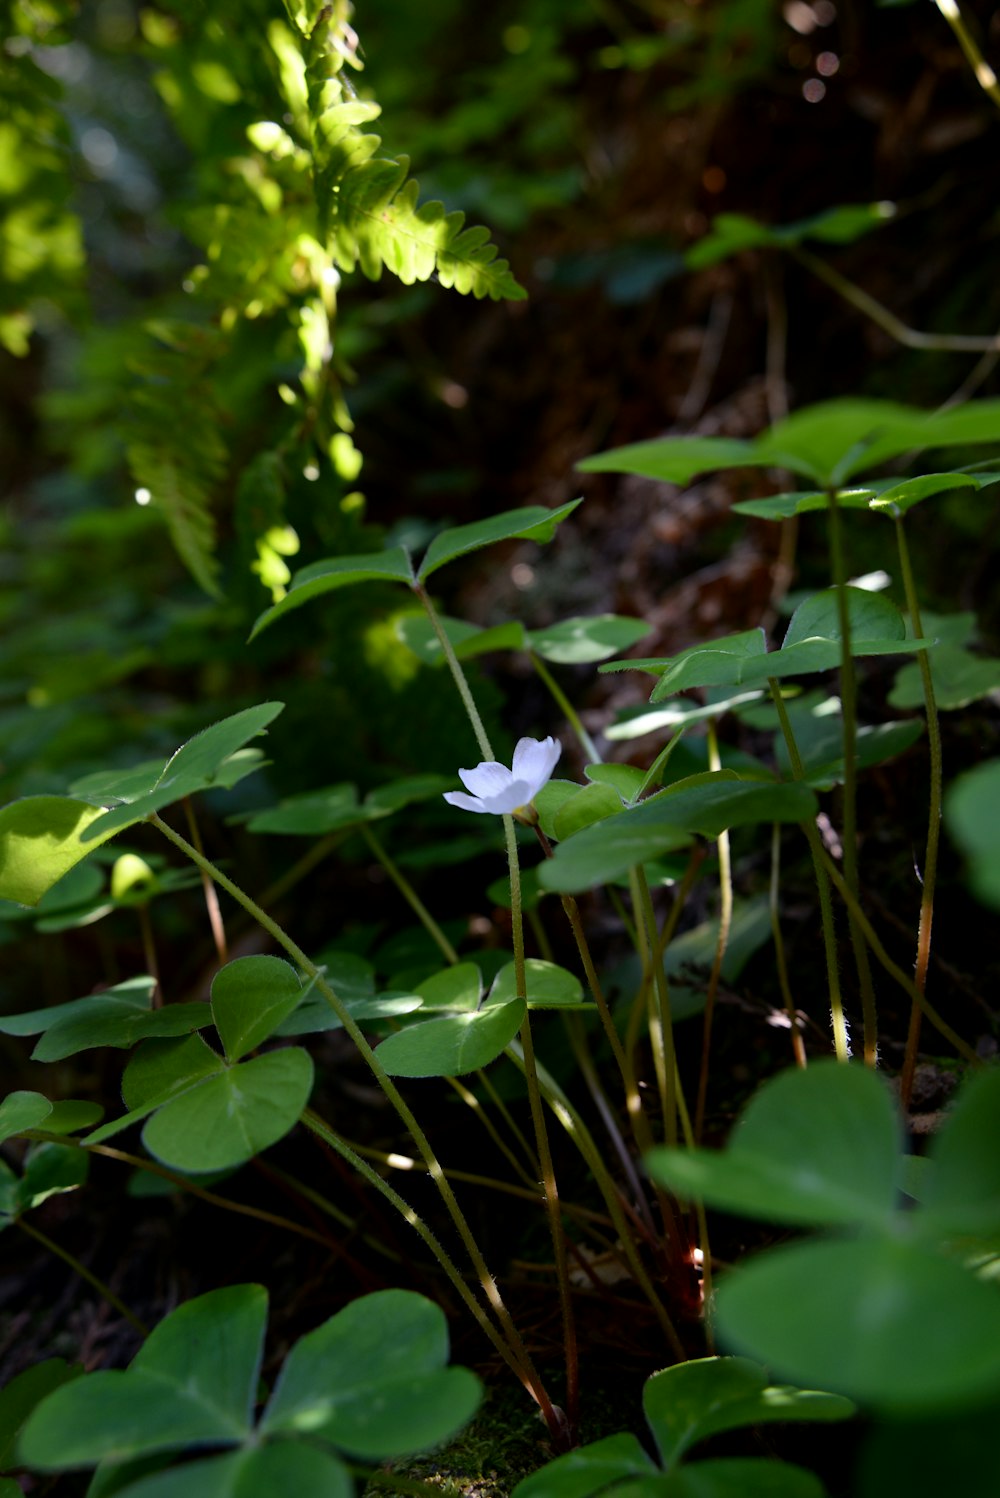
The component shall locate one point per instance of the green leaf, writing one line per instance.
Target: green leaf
(232, 1116)
(459, 987)
(549, 986)
(730, 233)
(49, 1170)
(706, 804)
(972, 815)
(959, 678)
(879, 1319)
(581, 641)
(692, 1401)
(372, 1380)
(716, 663)
(338, 572)
(118, 1017)
(592, 803)
(71, 1115)
(673, 460)
(159, 1071)
(454, 1046)
(532, 523)
(930, 1455)
(250, 1473)
(627, 780)
(467, 640)
(250, 998)
(739, 1477)
(194, 767)
(588, 1470)
(816, 1148)
(20, 1111)
(632, 723)
(961, 1185)
(313, 814)
(20, 1396)
(827, 443)
(803, 502)
(41, 839)
(900, 498)
(193, 1382)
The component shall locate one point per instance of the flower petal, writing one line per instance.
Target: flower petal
(534, 761)
(467, 803)
(517, 793)
(487, 779)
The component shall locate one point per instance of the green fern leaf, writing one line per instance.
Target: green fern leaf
(368, 206)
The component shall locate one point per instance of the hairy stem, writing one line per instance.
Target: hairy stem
(722, 941)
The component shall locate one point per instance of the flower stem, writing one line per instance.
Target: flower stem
(541, 1134)
(933, 824)
(388, 1087)
(454, 666)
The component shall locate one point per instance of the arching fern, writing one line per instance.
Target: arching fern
(368, 205)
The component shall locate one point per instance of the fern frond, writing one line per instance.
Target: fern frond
(176, 453)
(368, 205)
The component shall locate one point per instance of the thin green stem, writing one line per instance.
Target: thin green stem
(471, 1101)
(184, 1183)
(774, 899)
(664, 1054)
(841, 1041)
(893, 969)
(410, 895)
(387, 1086)
(541, 1134)
(571, 1121)
(959, 343)
(572, 716)
(394, 1161)
(638, 1122)
(985, 76)
(581, 1054)
(929, 880)
(722, 942)
(849, 720)
(523, 1371)
(84, 1273)
(458, 675)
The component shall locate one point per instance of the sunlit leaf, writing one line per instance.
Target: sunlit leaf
(452, 1046)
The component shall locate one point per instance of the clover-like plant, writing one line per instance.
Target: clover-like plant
(684, 1406)
(886, 1306)
(369, 1384)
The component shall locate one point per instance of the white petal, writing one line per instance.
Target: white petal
(517, 793)
(534, 761)
(467, 803)
(487, 779)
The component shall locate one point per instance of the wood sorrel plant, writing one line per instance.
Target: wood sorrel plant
(213, 1086)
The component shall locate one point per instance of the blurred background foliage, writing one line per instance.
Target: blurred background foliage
(183, 346)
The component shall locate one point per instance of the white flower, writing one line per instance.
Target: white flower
(496, 789)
